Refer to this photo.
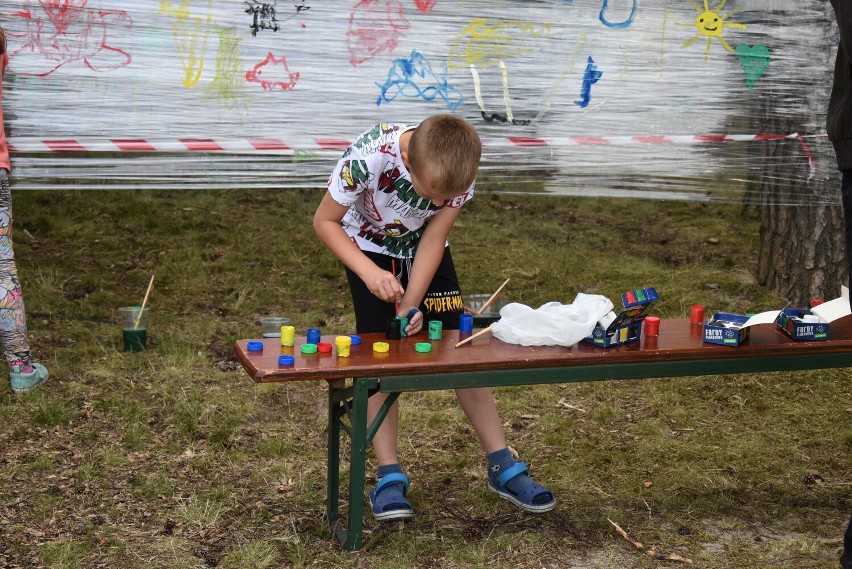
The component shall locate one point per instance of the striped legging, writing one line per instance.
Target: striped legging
(13, 320)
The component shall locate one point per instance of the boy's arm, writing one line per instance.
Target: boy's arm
(427, 258)
(327, 226)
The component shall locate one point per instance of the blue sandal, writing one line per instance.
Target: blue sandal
(530, 498)
(391, 507)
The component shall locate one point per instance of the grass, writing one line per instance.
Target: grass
(172, 457)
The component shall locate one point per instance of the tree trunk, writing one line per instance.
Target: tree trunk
(802, 253)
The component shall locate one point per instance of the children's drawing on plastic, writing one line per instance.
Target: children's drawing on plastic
(414, 78)
(754, 60)
(425, 6)
(375, 26)
(190, 30)
(59, 32)
(623, 24)
(711, 24)
(590, 77)
(228, 83)
(263, 16)
(273, 72)
(487, 43)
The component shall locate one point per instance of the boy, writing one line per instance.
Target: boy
(391, 203)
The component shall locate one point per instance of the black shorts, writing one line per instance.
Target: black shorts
(442, 302)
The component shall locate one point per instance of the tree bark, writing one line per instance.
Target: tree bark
(802, 253)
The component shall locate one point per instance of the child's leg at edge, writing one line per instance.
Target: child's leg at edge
(13, 324)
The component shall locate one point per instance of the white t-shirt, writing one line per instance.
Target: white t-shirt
(385, 213)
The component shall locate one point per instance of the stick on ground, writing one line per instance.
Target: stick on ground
(648, 550)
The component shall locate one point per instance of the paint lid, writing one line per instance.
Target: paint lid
(286, 360)
(255, 346)
(423, 347)
(324, 347)
(309, 348)
(342, 341)
(381, 347)
(356, 339)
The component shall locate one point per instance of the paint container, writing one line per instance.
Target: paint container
(816, 302)
(423, 347)
(343, 345)
(356, 339)
(381, 347)
(436, 329)
(465, 323)
(696, 315)
(324, 348)
(309, 348)
(491, 314)
(392, 329)
(313, 335)
(286, 360)
(403, 324)
(134, 327)
(652, 326)
(288, 335)
(255, 346)
(271, 325)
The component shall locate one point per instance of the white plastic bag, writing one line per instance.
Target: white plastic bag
(552, 324)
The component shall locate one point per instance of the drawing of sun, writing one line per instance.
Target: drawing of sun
(710, 24)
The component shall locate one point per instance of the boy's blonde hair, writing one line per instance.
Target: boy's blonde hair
(448, 149)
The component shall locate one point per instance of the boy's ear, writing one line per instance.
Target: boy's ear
(404, 155)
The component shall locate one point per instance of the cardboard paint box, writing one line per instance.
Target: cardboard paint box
(627, 324)
(802, 324)
(726, 329)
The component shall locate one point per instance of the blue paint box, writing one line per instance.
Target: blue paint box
(802, 324)
(627, 325)
(726, 329)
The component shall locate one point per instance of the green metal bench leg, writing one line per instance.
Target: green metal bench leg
(358, 461)
(352, 403)
(335, 520)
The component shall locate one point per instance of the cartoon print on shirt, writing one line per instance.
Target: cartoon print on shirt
(387, 180)
(395, 229)
(375, 138)
(355, 176)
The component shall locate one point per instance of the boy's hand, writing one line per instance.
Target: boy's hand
(415, 322)
(384, 285)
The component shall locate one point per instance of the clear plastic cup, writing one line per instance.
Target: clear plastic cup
(271, 325)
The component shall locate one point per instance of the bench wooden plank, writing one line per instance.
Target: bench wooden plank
(679, 341)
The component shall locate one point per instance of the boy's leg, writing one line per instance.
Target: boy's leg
(388, 500)
(505, 476)
(481, 409)
(384, 443)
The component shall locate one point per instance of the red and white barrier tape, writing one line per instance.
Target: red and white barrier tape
(277, 146)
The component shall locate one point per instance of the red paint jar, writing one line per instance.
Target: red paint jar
(696, 316)
(652, 326)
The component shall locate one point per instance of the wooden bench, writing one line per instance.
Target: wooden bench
(488, 362)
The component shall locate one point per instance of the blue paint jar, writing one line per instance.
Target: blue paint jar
(313, 335)
(465, 323)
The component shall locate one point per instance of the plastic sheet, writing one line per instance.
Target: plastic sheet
(576, 97)
(551, 324)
